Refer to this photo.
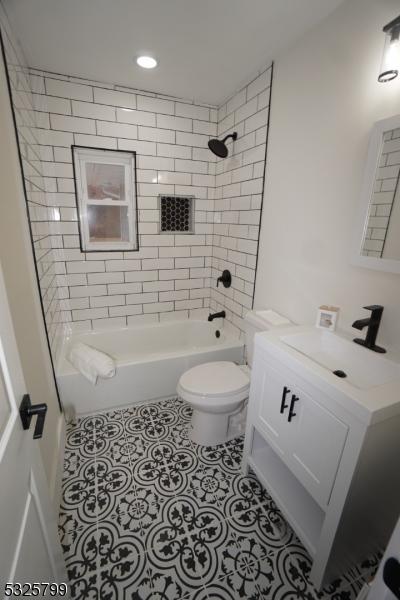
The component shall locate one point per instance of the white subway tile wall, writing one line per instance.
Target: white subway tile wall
(115, 287)
(26, 97)
(172, 276)
(238, 197)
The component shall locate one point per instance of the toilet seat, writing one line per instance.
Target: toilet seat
(214, 384)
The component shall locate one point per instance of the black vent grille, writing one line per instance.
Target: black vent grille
(176, 214)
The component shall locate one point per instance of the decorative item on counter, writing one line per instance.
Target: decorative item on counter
(327, 317)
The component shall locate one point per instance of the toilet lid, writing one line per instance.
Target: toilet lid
(215, 379)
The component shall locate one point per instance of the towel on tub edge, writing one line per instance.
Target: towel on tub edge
(91, 363)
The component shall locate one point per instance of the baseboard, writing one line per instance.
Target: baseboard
(58, 466)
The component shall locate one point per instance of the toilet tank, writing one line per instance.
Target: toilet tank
(260, 320)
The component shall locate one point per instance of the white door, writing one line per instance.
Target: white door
(30, 551)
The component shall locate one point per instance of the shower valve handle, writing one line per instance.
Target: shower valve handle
(225, 278)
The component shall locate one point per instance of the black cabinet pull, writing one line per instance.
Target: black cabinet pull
(291, 409)
(391, 576)
(27, 410)
(285, 392)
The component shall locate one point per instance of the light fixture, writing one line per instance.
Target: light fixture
(146, 62)
(390, 66)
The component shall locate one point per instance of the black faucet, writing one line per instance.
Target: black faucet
(220, 315)
(373, 326)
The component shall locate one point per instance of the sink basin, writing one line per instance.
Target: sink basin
(359, 366)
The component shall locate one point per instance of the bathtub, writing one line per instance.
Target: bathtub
(150, 360)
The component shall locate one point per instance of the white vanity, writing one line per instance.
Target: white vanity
(326, 446)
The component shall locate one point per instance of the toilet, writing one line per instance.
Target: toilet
(218, 391)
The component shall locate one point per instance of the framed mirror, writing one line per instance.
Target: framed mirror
(377, 236)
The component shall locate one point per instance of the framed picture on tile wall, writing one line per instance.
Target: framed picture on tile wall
(105, 186)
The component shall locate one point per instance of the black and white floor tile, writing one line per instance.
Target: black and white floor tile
(148, 515)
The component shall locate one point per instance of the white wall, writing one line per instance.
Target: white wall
(18, 269)
(22, 88)
(325, 100)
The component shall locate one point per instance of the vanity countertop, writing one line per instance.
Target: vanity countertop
(369, 404)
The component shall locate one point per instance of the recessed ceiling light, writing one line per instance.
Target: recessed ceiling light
(147, 62)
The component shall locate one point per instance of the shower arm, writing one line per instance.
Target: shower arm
(230, 135)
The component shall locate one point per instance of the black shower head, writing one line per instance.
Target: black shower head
(218, 147)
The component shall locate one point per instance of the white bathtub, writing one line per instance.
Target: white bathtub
(150, 359)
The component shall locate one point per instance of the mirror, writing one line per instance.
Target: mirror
(377, 243)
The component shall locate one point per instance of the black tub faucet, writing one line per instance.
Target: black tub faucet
(372, 323)
(220, 315)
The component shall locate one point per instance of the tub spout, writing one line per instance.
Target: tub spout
(218, 315)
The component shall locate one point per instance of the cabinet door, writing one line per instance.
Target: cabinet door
(307, 437)
(271, 401)
(318, 441)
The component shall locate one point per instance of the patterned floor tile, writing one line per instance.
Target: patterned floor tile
(124, 450)
(152, 472)
(291, 567)
(249, 517)
(225, 457)
(82, 565)
(111, 588)
(80, 493)
(138, 511)
(122, 559)
(80, 440)
(172, 554)
(208, 485)
(251, 581)
(165, 585)
(139, 425)
(70, 529)
(113, 480)
(73, 462)
(178, 436)
(147, 514)
(166, 416)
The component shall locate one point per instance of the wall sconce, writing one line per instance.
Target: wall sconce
(390, 65)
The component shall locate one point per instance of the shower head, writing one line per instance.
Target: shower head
(218, 147)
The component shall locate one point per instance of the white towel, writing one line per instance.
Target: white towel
(91, 362)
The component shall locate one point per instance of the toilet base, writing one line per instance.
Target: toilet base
(210, 429)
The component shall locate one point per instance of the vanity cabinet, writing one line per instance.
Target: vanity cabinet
(328, 462)
(308, 437)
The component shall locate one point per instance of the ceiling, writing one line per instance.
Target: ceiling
(206, 48)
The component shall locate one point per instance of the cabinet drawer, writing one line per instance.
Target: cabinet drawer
(307, 436)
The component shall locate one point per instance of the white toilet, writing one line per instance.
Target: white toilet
(218, 391)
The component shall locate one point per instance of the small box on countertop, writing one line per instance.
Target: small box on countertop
(327, 317)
